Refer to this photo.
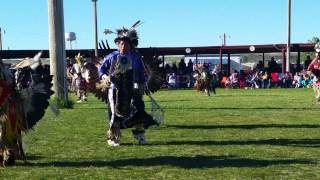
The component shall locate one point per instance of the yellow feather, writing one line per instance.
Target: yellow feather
(78, 59)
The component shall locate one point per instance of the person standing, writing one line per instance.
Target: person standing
(80, 85)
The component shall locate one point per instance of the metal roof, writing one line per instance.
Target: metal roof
(163, 51)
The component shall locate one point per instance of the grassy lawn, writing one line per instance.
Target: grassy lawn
(236, 134)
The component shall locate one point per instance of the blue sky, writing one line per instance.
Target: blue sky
(167, 23)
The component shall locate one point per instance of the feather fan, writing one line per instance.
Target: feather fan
(98, 87)
(35, 91)
(156, 74)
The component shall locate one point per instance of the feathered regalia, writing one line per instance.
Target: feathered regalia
(123, 79)
(203, 79)
(316, 72)
(24, 94)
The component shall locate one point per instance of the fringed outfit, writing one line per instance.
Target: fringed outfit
(126, 108)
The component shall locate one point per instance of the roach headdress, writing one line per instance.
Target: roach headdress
(127, 34)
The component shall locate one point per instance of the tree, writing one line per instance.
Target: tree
(314, 40)
(311, 54)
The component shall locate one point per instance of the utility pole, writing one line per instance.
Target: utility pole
(224, 39)
(0, 39)
(289, 37)
(57, 49)
(95, 27)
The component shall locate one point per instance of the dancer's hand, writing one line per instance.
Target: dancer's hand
(106, 78)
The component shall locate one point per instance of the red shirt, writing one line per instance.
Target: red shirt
(313, 66)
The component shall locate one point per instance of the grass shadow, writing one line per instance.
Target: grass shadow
(199, 161)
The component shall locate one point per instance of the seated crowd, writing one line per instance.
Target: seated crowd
(186, 76)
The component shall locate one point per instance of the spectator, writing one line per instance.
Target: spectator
(307, 62)
(306, 81)
(275, 79)
(297, 79)
(266, 80)
(172, 81)
(224, 81)
(167, 68)
(182, 66)
(272, 65)
(260, 66)
(190, 66)
(174, 68)
(287, 80)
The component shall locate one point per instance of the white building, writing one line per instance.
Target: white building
(235, 61)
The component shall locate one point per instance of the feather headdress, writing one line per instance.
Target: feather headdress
(129, 34)
(33, 63)
(79, 58)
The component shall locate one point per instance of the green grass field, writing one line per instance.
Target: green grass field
(236, 134)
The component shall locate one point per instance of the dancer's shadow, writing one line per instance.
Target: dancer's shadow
(88, 108)
(172, 100)
(276, 142)
(244, 126)
(241, 108)
(33, 157)
(176, 161)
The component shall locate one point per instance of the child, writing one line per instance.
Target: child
(80, 85)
